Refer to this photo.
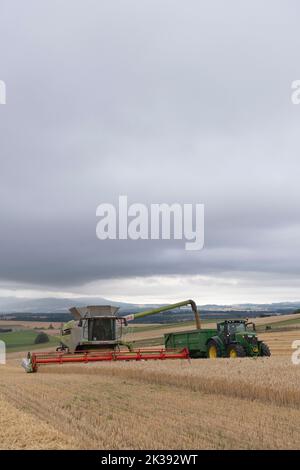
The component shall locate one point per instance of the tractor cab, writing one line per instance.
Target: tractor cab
(235, 326)
(234, 330)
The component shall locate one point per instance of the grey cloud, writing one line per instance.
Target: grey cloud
(164, 101)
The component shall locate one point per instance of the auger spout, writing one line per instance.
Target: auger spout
(166, 308)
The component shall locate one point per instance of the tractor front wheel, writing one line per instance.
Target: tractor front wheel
(265, 350)
(213, 350)
(236, 350)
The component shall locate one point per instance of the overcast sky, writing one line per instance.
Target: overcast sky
(163, 101)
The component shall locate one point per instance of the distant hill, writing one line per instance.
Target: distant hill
(54, 309)
(51, 305)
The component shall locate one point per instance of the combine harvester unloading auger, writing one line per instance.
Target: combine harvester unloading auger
(95, 336)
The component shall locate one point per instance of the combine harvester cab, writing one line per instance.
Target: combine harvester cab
(93, 327)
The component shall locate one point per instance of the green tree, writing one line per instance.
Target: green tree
(41, 338)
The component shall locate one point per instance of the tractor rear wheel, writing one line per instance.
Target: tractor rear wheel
(236, 350)
(213, 350)
(265, 350)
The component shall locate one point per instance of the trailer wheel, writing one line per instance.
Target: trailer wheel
(236, 350)
(265, 350)
(213, 350)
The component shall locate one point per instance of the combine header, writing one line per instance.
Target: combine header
(35, 359)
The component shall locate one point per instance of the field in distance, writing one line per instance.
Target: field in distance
(146, 335)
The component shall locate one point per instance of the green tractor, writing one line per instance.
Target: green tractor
(231, 338)
(236, 338)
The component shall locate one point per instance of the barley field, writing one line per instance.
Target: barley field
(199, 404)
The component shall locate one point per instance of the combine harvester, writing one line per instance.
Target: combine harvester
(95, 335)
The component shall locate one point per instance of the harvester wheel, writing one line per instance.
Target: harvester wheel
(62, 349)
(236, 350)
(213, 350)
(265, 350)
